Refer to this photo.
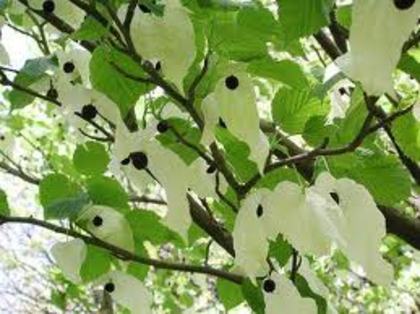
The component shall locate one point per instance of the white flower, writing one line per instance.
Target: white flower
(234, 101)
(141, 157)
(281, 296)
(169, 39)
(73, 65)
(108, 225)
(128, 291)
(362, 225)
(378, 32)
(70, 257)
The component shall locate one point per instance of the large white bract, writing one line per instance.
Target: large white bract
(170, 171)
(113, 227)
(129, 292)
(378, 32)
(70, 256)
(169, 40)
(362, 224)
(285, 298)
(234, 101)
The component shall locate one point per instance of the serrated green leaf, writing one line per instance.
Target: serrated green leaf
(301, 18)
(90, 29)
(281, 250)
(107, 79)
(406, 130)
(229, 293)
(285, 71)
(107, 191)
(96, 264)
(57, 193)
(254, 296)
(91, 158)
(292, 108)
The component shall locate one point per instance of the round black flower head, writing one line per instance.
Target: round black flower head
(125, 161)
(144, 8)
(52, 93)
(48, 6)
(222, 123)
(335, 197)
(69, 67)
(2, 137)
(158, 66)
(109, 287)
(97, 221)
(404, 4)
(260, 210)
(269, 285)
(162, 126)
(139, 160)
(89, 112)
(232, 82)
(211, 169)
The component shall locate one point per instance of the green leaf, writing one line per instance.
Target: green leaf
(107, 191)
(292, 108)
(301, 18)
(90, 29)
(4, 205)
(254, 296)
(344, 17)
(281, 250)
(58, 194)
(273, 178)
(383, 175)
(32, 71)
(91, 158)
(306, 292)
(147, 226)
(406, 130)
(410, 63)
(229, 293)
(285, 71)
(68, 207)
(107, 79)
(96, 264)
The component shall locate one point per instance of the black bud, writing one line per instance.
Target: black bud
(125, 162)
(97, 221)
(232, 82)
(404, 4)
(48, 6)
(158, 66)
(139, 160)
(222, 123)
(260, 210)
(2, 137)
(89, 112)
(269, 285)
(162, 126)
(342, 91)
(335, 197)
(211, 169)
(52, 93)
(68, 67)
(144, 8)
(109, 287)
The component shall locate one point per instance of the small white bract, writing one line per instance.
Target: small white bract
(69, 257)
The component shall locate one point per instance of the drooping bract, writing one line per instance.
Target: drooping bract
(70, 256)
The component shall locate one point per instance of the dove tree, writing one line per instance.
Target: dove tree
(247, 143)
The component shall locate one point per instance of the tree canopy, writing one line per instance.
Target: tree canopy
(256, 155)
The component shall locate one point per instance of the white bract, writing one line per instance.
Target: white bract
(65, 10)
(129, 292)
(234, 101)
(7, 142)
(169, 39)
(304, 218)
(378, 32)
(416, 111)
(362, 224)
(73, 65)
(285, 298)
(108, 225)
(166, 167)
(70, 257)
